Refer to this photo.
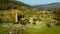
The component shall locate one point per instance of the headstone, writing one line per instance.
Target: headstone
(31, 20)
(10, 32)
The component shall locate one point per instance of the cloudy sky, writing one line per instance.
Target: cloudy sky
(38, 2)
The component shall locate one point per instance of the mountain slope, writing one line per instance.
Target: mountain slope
(49, 6)
(4, 5)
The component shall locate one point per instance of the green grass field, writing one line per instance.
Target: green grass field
(52, 30)
(47, 30)
(5, 30)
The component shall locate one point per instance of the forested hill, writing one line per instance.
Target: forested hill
(13, 4)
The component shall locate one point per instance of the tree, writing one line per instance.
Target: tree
(57, 12)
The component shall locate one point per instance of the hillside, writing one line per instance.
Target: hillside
(53, 7)
(49, 6)
(24, 11)
(5, 5)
